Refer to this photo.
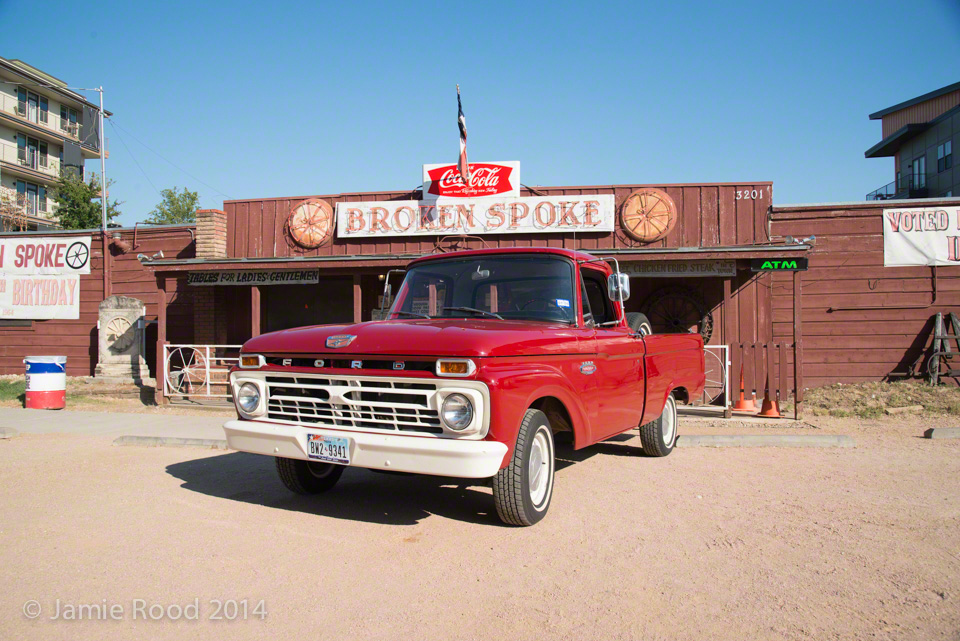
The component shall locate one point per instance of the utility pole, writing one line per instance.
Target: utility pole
(103, 172)
(103, 204)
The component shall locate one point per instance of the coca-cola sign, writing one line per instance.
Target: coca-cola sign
(486, 179)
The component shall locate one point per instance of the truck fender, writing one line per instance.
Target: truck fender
(515, 389)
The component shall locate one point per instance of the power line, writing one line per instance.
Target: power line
(134, 158)
(165, 159)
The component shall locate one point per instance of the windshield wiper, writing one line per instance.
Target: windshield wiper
(417, 314)
(471, 309)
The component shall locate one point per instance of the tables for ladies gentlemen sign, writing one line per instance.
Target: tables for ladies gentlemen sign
(921, 236)
(40, 276)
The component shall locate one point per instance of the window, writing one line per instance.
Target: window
(526, 287)
(31, 197)
(596, 299)
(43, 154)
(44, 109)
(28, 151)
(945, 156)
(68, 120)
(919, 172)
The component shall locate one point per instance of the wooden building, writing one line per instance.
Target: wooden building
(857, 320)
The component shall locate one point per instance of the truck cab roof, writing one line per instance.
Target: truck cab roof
(558, 251)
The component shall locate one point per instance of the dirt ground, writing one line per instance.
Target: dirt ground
(763, 543)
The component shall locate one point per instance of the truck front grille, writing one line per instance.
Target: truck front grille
(339, 402)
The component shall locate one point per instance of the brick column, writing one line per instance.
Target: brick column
(211, 244)
(211, 233)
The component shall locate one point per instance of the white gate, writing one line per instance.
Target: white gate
(717, 369)
(197, 370)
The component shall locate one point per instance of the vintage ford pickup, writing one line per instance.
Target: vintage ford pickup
(483, 357)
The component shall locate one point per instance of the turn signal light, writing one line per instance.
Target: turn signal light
(250, 361)
(460, 367)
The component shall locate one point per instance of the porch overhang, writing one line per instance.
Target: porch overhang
(172, 266)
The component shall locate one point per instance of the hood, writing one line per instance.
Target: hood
(435, 337)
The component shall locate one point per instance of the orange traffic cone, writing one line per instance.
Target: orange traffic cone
(744, 405)
(770, 407)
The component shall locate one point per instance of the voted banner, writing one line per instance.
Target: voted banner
(921, 236)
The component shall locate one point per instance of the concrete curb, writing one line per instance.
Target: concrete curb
(170, 441)
(942, 432)
(766, 440)
(8, 432)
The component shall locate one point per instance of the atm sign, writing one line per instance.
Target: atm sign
(778, 264)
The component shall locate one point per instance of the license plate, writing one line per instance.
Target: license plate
(332, 449)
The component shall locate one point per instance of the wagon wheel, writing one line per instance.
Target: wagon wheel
(675, 310)
(311, 223)
(648, 215)
(939, 367)
(186, 370)
(716, 377)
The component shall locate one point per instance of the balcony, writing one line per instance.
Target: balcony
(44, 119)
(29, 160)
(14, 205)
(910, 186)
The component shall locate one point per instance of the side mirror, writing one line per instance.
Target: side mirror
(618, 286)
(387, 300)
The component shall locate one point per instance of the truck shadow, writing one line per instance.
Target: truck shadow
(362, 495)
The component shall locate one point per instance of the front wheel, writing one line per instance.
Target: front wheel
(660, 435)
(307, 477)
(522, 490)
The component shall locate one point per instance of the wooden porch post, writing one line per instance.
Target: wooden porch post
(797, 344)
(254, 311)
(357, 300)
(728, 332)
(159, 398)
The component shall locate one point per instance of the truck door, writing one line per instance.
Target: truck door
(617, 387)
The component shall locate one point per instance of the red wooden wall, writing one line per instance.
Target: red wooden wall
(77, 339)
(846, 270)
(710, 215)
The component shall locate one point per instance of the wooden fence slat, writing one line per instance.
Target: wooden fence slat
(783, 371)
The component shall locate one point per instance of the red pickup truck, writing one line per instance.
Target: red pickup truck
(484, 356)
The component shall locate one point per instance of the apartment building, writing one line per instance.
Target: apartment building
(45, 128)
(920, 134)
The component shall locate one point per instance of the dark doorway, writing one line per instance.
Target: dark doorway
(285, 306)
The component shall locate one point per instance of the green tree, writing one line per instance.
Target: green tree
(78, 202)
(176, 208)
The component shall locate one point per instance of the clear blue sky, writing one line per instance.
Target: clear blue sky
(283, 99)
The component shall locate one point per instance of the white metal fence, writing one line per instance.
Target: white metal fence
(717, 369)
(197, 370)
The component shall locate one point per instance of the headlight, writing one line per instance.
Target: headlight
(456, 412)
(248, 397)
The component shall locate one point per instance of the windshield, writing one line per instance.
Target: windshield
(538, 288)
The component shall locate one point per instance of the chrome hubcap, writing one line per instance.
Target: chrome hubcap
(669, 429)
(538, 471)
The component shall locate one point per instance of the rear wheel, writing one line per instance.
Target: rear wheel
(639, 323)
(522, 490)
(660, 435)
(307, 477)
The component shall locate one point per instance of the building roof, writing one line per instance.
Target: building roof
(45, 80)
(891, 144)
(915, 101)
